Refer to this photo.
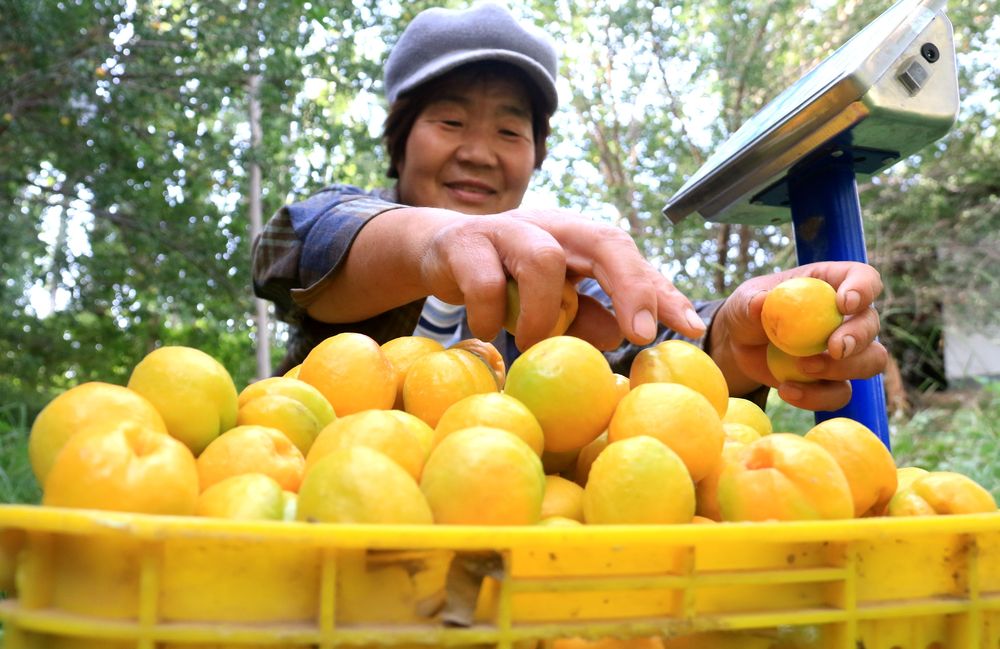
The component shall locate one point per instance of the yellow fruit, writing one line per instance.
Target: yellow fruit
(249, 496)
(707, 490)
(289, 416)
(799, 315)
(252, 449)
(569, 387)
(78, 408)
(866, 462)
(678, 416)
(487, 353)
(585, 460)
(942, 493)
(678, 361)
(400, 436)
(623, 384)
(568, 305)
(784, 477)
(744, 411)
(123, 466)
(740, 432)
(638, 480)
(906, 475)
(439, 379)
(784, 366)
(290, 502)
(562, 498)
(351, 371)
(401, 353)
(357, 484)
(192, 391)
(293, 373)
(559, 521)
(484, 476)
(300, 391)
(492, 409)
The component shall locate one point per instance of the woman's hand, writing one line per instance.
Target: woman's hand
(467, 260)
(739, 345)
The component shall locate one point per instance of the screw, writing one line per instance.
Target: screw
(930, 52)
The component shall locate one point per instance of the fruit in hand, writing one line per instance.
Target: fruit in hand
(799, 315)
(568, 304)
(783, 366)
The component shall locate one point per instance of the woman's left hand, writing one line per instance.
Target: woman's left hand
(739, 345)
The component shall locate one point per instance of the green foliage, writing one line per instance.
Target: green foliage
(17, 482)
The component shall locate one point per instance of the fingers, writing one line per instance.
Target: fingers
(641, 296)
(857, 284)
(832, 389)
(825, 395)
(470, 263)
(866, 364)
(855, 335)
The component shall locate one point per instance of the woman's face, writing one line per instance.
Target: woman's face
(471, 149)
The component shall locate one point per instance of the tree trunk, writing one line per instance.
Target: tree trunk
(256, 223)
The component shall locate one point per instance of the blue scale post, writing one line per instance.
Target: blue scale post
(826, 217)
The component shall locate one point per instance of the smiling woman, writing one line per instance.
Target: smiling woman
(471, 94)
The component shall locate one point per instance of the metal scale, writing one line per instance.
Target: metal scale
(885, 94)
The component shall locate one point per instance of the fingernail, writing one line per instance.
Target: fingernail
(644, 325)
(790, 392)
(694, 319)
(849, 344)
(812, 365)
(852, 301)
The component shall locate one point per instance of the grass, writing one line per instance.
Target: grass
(17, 482)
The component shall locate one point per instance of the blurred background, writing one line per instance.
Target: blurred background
(139, 139)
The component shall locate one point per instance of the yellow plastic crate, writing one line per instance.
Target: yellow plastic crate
(100, 579)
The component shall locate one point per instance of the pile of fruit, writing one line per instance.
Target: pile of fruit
(411, 433)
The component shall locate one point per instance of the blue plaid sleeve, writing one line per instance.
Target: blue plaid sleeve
(303, 244)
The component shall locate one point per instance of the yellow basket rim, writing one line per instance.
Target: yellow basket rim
(467, 537)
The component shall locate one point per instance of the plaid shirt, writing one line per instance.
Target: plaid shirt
(303, 245)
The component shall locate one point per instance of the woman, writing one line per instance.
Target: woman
(470, 94)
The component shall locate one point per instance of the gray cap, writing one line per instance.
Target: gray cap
(440, 40)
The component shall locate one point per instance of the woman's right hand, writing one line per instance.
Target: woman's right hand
(467, 260)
